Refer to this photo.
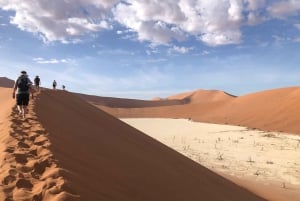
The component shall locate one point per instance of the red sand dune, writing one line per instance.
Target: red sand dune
(202, 96)
(105, 159)
(5, 82)
(274, 110)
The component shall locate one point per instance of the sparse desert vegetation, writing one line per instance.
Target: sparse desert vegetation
(272, 158)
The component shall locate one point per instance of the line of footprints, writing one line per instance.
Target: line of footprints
(32, 173)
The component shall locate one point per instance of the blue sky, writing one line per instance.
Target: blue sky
(147, 48)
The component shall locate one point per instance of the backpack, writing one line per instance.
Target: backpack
(23, 84)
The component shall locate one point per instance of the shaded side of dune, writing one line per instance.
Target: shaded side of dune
(129, 103)
(109, 160)
(198, 96)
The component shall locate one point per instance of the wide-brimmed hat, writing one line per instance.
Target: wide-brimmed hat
(23, 72)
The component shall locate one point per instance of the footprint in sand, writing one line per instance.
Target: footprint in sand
(10, 149)
(13, 172)
(23, 183)
(23, 145)
(38, 197)
(40, 140)
(18, 135)
(20, 158)
(9, 179)
(40, 167)
(33, 152)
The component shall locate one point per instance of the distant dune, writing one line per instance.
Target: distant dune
(202, 96)
(129, 103)
(190, 105)
(5, 82)
(274, 110)
(277, 110)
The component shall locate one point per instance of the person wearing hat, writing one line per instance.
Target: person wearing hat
(21, 91)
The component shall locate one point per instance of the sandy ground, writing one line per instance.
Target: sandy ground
(267, 163)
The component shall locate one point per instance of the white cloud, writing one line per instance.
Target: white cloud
(60, 20)
(254, 18)
(181, 50)
(280, 39)
(297, 39)
(116, 52)
(151, 20)
(256, 4)
(40, 60)
(154, 60)
(283, 9)
(152, 50)
(205, 52)
(297, 26)
(212, 22)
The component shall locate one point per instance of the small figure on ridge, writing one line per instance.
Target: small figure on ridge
(37, 82)
(54, 85)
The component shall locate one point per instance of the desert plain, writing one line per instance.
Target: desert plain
(264, 162)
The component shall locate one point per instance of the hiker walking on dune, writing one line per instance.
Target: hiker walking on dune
(37, 82)
(21, 91)
(54, 85)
